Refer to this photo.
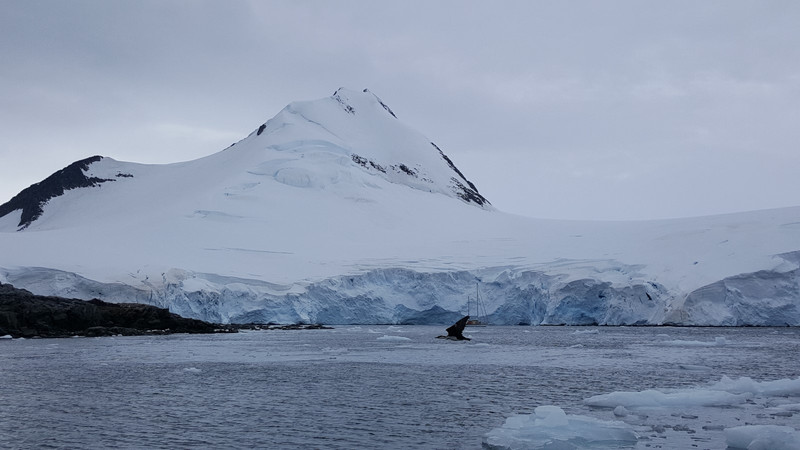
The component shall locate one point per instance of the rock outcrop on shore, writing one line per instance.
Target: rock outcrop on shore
(23, 314)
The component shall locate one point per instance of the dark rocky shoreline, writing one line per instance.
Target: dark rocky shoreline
(25, 315)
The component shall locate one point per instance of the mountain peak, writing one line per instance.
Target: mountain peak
(348, 98)
(363, 128)
(346, 143)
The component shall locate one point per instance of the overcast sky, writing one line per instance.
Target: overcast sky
(580, 110)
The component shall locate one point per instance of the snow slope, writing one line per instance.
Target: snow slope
(334, 211)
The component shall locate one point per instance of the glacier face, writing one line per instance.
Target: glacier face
(763, 298)
(391, 296)
(334, 211)
(401, 296)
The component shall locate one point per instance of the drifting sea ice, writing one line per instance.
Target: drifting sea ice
(592, 331)
(549, 427)
(387, 337)
(726, 392)
(718, 341)
(767, 388)
(655, 398)
(763, 437)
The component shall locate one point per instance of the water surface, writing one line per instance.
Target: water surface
(358, 387)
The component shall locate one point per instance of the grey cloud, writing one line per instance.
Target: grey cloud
(590, 107)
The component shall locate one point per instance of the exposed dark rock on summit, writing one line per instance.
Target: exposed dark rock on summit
(31, 199)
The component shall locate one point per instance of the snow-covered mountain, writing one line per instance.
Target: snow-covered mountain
(334, 211)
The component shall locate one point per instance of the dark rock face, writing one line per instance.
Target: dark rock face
(348, 108)
(467, 193)
(23, 314)
(385, 106)
(367, 163)
(32, 199)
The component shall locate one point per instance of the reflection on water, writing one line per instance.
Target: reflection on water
(345, 388)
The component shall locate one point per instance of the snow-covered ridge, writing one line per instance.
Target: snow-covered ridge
(361, 126)
(334, 211)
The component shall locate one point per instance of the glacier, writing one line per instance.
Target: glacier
(334, 211)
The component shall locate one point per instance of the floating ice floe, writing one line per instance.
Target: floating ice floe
(550, 427)
(656, 398)
(192, 370)
(726, 392)
(593, 331)
(620, 411)
(386, 337)
(719, 341)
(335, 351)
(773, 388)
(762, 437)
(8, 336)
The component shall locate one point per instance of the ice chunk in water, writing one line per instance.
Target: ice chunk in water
(551, 428)
(654, 398)
(763, 437)
(769, 388)
(386, 337)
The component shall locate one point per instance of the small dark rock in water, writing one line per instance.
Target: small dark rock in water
(23, 314)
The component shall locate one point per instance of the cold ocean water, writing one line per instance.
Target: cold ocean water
(378, 386)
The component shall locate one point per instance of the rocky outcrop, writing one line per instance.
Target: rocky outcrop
(23, 314)
(468, 194)
(32, 199)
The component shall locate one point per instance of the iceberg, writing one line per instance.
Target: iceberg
(549, 427)
(726, 392)
(676, 415)
(762, 437)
